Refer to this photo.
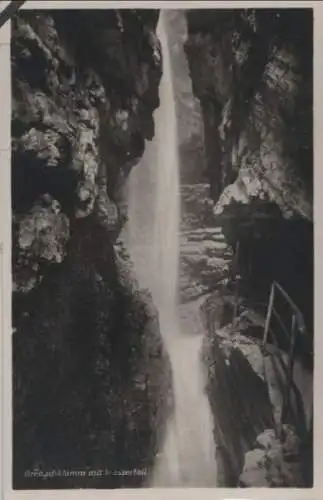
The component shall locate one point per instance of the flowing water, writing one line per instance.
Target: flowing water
(187, 457)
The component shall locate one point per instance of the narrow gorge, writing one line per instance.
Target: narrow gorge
(162, 248)
(187, 455)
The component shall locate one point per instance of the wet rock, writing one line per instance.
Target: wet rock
(235, 387)
(254, 473)
(41, 238)
(92, 380)
(204, 253)
(251, 73)
(270, 465)
(252, 151)
(71, 128)
(266, 439)
(237, 366)
(60, 118)
(197, 206)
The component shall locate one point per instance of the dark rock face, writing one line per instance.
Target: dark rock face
(89, 359)
(237, 392)
(246, 390)
(273, 248)
(252, 73)
(273, 463)
(205, 256)
(91, 377)
(81, 110)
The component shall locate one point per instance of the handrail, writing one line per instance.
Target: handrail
(301, 328)
(281, 323)
(297, 326)
(297, 311)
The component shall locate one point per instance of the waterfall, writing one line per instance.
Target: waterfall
(188, 455)
(167, 215)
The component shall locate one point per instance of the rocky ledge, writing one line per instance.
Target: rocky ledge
(246, 385)
(205, 255)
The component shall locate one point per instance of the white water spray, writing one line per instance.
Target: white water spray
(188, 456)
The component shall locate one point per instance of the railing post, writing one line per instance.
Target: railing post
(290, 368)
(269, 312)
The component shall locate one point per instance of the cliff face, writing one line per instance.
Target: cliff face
(81, 112)
(246, 389)
(251, 70)
(252, 73)
(89, 365)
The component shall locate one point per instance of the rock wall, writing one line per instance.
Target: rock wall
(246, 387)
(252, 73)
(205, 256)
(90, 388)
